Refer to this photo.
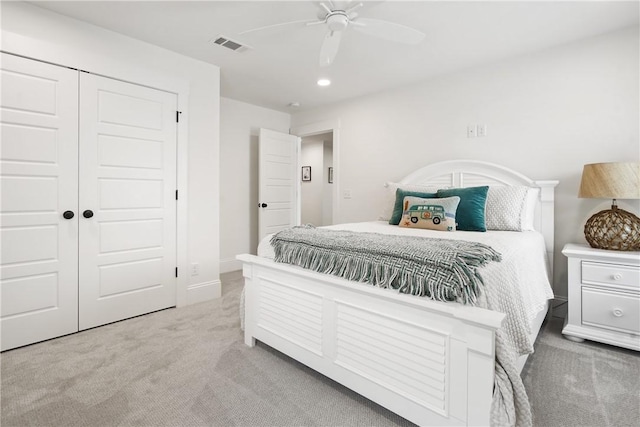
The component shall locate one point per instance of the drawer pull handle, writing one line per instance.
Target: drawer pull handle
(617, 276)
(617, 312)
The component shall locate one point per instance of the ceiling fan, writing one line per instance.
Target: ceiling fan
(338, 20)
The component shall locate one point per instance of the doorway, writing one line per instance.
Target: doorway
(316, 193)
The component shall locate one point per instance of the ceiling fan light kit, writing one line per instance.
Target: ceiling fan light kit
(337, 21)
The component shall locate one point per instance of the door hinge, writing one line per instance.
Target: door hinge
(178, 116)
(176, 271)
(176, 194)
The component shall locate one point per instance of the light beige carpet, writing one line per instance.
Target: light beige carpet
(189, 367)
(582, 384)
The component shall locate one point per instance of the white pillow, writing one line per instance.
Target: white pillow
(390, 196)
(533, 194)
(507, 208)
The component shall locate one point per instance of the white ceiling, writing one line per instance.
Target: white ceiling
(282, 66)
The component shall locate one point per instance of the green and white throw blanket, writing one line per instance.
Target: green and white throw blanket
(440, 269)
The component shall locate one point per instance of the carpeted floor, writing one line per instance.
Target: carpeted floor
(581, 384)
(189, 367)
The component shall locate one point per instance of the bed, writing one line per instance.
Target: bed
(431, 362)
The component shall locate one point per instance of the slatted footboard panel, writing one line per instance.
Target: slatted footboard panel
(292, 314)
(401, 356)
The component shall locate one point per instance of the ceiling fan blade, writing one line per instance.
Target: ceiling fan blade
(330, 47)
(349, 11)
(388, 30)
(327, 8)
(280, 26)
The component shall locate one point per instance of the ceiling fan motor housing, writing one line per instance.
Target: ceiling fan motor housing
(337, 20)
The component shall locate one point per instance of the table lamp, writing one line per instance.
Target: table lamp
(613, 229)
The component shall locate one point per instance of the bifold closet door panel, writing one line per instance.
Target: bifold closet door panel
(38, 183)
(127, 214)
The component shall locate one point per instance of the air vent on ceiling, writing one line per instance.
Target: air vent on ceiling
(230, 44)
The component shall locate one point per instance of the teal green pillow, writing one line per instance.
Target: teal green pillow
(470, 213)
(396, 216)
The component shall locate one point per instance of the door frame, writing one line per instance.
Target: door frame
(44, 51)
(317, 128)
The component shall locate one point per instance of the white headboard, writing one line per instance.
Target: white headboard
(472, 173)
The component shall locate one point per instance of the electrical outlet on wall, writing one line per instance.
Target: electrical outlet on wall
(195, 268)
(476, 131)
(471, 131)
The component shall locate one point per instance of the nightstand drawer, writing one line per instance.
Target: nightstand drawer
(611, 310)
(612, 274)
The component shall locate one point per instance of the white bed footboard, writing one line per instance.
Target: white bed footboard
(430, 362)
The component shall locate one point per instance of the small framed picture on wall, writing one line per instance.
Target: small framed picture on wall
(306, 173)
(330, 175)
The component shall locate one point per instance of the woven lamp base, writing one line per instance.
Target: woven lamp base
(613, 229)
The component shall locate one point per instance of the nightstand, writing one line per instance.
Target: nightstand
(604, 296)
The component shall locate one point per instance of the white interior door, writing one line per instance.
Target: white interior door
(279, 187)
(127, 215)
(39, 172)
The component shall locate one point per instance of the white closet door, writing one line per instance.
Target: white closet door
(38, 182)
(128, 181)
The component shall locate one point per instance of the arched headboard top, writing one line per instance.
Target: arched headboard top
(473, 173)
(466, 173)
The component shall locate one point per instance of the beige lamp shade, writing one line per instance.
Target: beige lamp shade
(612, 229)
(610, 181)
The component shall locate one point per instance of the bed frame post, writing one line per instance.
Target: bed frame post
(480, 375)
(547, 222)
(249, 305)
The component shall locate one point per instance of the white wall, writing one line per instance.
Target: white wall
(312, 154)
(239, 130)
(547, 113)
(327, 188)
(40, 34)
(317, 195)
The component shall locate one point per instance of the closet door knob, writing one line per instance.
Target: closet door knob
(264, 205)
(87, 214)
(68, 214)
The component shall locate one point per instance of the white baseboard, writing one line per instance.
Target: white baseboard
(228, 265)
(204, 291)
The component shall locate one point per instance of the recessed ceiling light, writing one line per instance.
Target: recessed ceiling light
(294, 104)
(324, 82)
